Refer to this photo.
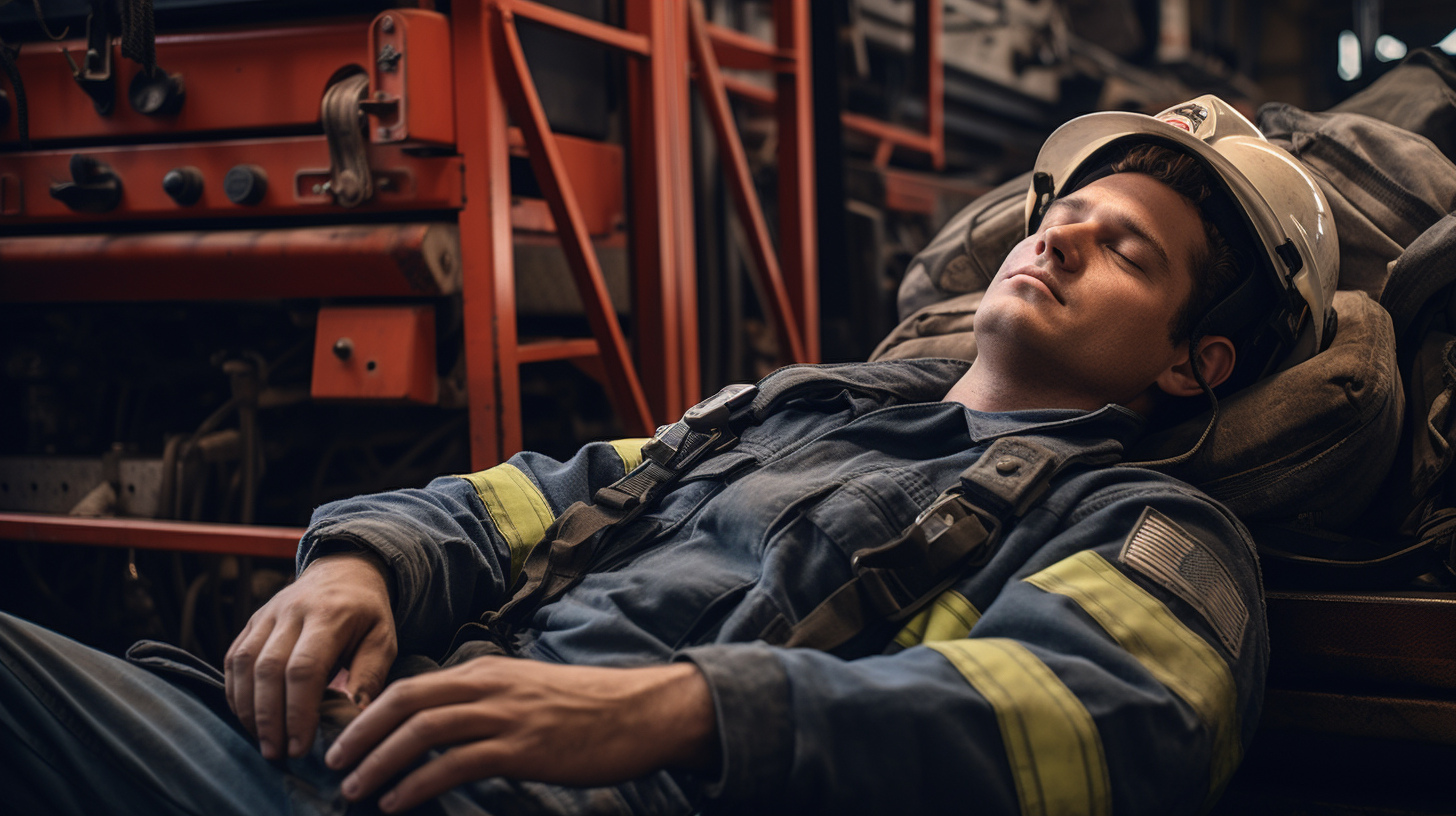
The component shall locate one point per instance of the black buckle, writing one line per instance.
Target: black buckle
(717, 412)
(902, 575)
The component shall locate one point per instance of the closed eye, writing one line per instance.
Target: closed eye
(1125, 259)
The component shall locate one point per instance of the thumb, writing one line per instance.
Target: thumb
(369, 668)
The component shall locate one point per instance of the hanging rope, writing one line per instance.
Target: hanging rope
(139, 34)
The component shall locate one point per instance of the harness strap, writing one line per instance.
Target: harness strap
(570, 546)
(958, 533)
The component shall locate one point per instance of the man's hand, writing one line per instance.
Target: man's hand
(572, 725)
(336, 615)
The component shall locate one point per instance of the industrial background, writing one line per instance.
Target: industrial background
(258, 255)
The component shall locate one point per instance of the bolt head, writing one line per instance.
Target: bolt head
(387, 24)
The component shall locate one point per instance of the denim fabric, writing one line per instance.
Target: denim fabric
(763, 531)
(86, 733)
(82, 732)
(767, 530)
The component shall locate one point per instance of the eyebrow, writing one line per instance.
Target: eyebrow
(1120, 219)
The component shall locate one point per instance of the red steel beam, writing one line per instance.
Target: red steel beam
(234, 539)
(579, 26)
(363, 260)
(525, 106)
(745, 197)
(797, 233)
(654, 244)
(934, 11)
(679, 74)
(540, 351)
(885, 131)
(745, 52)
(757, 94)
(487, 253)
(932, 141)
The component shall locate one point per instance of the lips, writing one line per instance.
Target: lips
(1040, 276)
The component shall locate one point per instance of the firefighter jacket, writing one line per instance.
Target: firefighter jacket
(1109, 658)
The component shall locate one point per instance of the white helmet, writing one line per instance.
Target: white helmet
(1269, 205)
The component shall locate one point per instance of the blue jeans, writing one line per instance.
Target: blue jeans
(85, 732)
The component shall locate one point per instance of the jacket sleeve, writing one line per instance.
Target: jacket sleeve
(1118, 669)
(454, 547)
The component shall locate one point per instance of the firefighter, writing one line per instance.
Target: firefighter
(910, 586)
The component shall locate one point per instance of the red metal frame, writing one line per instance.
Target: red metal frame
(296, 167)
(388, 352)
(251, 79)
(791, 288)
(239, 539)
(490, 77)
(525, 106)
(735, 51)
(382, 260)
(932, 141)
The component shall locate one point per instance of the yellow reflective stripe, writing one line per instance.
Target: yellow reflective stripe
(517, 507)
(950, 617)
(1170, 651)
(631, 452)
(1051, 741)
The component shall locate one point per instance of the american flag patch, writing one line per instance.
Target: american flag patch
(1166, 553)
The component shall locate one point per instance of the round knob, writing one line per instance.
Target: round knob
(156, 94)
(245, 184)
(183, 184)
(343, 348)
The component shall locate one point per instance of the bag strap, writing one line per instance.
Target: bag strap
(958, 533)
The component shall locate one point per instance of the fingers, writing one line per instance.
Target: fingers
(423, 730)
(400, 702)
(308, 668)
(268, 687)
(238, 668)
(451, 769)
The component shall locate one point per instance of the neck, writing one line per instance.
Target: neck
(984, 388)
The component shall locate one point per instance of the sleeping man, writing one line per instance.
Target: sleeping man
(904, 587)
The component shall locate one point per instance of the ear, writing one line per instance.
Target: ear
(1215, 362)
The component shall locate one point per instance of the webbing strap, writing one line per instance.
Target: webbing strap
(570, 544)
(956, 534)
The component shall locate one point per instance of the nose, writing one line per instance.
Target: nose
(1059, 245)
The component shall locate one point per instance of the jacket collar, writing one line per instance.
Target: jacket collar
(1109, 422)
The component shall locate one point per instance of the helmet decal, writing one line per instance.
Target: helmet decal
(1189, 117)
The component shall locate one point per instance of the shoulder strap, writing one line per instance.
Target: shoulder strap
(569, 547)
(958, 533)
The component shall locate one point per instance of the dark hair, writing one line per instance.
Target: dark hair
(1215, 268)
